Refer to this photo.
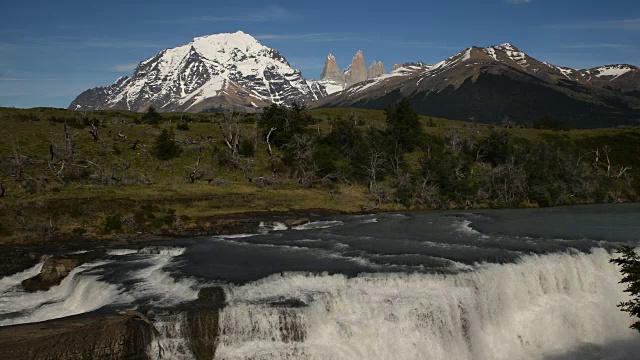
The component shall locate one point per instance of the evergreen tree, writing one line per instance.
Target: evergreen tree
(151, 117)
(286, 122)
(403, 125)
(629, 263)
(165, 147)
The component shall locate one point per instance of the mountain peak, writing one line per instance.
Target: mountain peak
(506, 46)
(212, 71)
(331, 71)
(238, 38)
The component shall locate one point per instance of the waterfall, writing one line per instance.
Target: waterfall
(540, 307)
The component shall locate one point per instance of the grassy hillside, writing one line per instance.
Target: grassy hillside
(65, 183)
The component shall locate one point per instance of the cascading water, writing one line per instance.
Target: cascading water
(540, 307)
(433, 285)
(78, 293)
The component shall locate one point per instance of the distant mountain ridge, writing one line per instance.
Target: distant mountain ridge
(500, 83)
(235, 72)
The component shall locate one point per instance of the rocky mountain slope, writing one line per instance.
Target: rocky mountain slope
(493, 84)
(215, 72)
(501, 83)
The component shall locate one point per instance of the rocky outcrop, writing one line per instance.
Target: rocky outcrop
(53, 272)
(357, 72)
(395, 67)
(296, 222)
(203, 323)
(376, 69)
(114, 337)
(331, 70)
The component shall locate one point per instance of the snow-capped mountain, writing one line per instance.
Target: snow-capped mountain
(221, 71)
(497, 82)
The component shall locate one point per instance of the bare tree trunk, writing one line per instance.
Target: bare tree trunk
(231, 131)
(193, 174)
(271, 160)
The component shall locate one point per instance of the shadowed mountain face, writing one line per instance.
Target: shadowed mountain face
(502, 83)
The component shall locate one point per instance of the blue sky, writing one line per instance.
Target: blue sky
(50, 52)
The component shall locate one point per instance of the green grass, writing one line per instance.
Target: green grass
(87, 203)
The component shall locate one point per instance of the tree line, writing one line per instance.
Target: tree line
(399, 163)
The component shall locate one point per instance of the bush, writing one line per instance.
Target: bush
(78, 231)
(182, 126)
(112, 223)
(549, 123)
(246, 148)
(165, 147)
(151, 117)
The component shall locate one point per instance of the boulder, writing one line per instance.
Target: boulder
(203, 323)
(211, 297)
(296, 222)
(52, 273)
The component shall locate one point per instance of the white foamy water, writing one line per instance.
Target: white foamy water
(170, 342)
(541, 307)
(78, 293)
(155, 281)
(318, 225)
(266, 227)
(121, 252)
(84, 289)
(12, 281)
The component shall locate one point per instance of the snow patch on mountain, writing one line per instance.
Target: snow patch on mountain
(614, 71)
(231, 65)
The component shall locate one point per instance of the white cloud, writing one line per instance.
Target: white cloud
(76, 42)
(312, 37)
(602, 46)
(272, 13)
(124, 67)
(625, 24)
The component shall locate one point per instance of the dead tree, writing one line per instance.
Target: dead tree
(194, 173)
(376, 161)
(21, 162)
(95, 132)
(304, 168)
(271, 159)
(231, 131)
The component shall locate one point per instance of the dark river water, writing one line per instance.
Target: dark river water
(481, 284)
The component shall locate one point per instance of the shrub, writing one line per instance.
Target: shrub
(78, 231)
(182, 126)
(151, 117)
(165, 147)
(247, 148)
(112, 223)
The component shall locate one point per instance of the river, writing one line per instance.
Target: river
(478, 284)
